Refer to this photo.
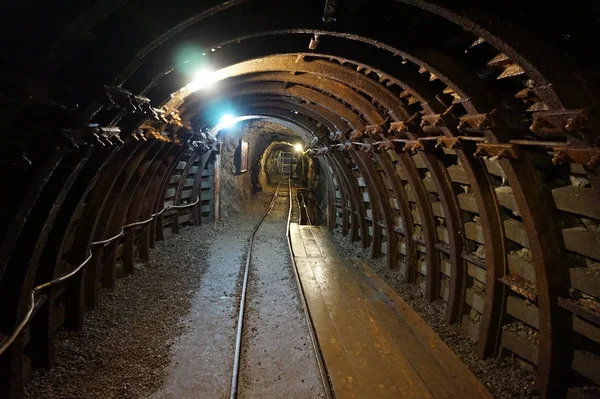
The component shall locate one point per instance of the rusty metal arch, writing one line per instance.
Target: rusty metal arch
(561, 99)
(544, 72)
(364, 107)
(533, 224)
(330, 109)
(179, 190)
(74, 303)
(466, 22)
(132, 214)
(124, 201)
(497, 33)
(343, 92)
(487, 206)
(538, 218)
(532, 229)
(156, 225)
(147, 233)
(363, 83)
(19, 277)
(280, 110)
(545, 242)
(386, 98)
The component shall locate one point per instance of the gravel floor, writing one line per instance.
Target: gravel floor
(151, 336)
(124, 346)
(124, 349)
(506, 378)
(202, 356)
(277, 356)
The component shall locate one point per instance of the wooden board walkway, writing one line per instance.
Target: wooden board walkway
(373, 344)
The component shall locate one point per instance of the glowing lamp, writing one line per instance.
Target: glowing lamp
(203, 78)
(227, 120)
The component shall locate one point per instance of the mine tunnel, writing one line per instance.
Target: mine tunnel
(300, 199)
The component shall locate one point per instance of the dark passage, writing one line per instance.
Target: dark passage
(439, 163)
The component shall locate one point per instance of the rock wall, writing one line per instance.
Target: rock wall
(236, 188)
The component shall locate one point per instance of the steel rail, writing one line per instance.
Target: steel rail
(305, 209)
(299, 210)
(240, 323)
(27, 318)
(309, 322)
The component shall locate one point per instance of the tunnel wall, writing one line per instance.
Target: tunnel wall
(574, 203)
(84, 196)
(237, 188)
(461, 142)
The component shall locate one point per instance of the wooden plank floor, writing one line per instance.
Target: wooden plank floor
(373, 344)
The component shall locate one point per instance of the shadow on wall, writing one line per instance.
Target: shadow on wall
(237, 188)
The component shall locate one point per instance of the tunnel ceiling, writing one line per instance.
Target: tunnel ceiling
(408, 88)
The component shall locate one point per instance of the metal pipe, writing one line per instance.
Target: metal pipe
(34, 292)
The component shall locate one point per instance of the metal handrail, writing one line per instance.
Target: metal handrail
(143, 222)
(27, 318)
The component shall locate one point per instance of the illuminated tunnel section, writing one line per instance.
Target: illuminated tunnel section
(460, 142)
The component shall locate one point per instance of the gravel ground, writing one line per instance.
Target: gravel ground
(506, 378)
(202, 357)
(168, 330)
(277, 356)
(123, 348)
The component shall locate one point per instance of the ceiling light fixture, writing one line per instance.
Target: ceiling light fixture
(227, 120)
(202, 79)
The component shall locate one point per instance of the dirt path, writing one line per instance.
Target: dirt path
(202, 356)
(123, 348)
(277, 357)
(168, 331)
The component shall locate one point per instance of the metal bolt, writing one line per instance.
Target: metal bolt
(25, 162)
(98, 140)
(574, 123)
(559, 157)
(593, 162)
(314, 42)
(463, 124)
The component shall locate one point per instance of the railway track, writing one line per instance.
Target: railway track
(283, 191)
